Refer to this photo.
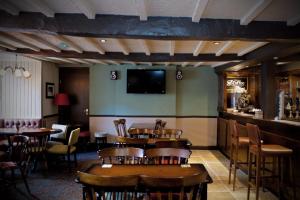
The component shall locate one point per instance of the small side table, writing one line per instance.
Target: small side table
(100, 138)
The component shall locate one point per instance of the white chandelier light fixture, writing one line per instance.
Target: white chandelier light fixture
(17, 71)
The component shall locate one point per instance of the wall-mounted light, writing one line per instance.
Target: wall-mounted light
(17, 71)
(103, 40)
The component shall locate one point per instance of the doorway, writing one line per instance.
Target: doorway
(75, 82)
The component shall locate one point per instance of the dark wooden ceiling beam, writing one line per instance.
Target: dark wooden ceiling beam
(166, 28)
(278, 51)
(135, 57)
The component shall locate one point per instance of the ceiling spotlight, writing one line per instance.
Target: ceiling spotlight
(216, 43)
(103, 40)
(275, 57)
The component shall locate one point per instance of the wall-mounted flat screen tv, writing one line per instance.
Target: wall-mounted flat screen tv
(146, 81)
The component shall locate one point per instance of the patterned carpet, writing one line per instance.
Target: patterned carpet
(56, 183)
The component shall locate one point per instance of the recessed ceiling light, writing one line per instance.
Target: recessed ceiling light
(103, 40)
(63, 45)
(216, 43)
(275, 57)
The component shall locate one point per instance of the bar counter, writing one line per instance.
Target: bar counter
(276, 132)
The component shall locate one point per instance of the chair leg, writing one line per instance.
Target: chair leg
(13, 177)
(75, 158)
(263, 172)
(257, 182)
(291, 160)
(230, 163)
(249, 173)
(69, 162)
(279, 176)
(25, 180)
(235, 167)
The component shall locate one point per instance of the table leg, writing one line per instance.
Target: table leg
(203, 191)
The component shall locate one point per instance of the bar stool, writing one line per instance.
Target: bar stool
(261, 151)
(237, 141)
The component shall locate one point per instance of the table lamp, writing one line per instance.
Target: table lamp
(62, 101)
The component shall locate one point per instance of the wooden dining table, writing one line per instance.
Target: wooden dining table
(164, 171)
(26, 131)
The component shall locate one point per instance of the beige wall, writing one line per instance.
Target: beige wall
(49, 74)
(200, 131)
(20, 97)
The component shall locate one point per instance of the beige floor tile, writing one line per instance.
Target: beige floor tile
(217, 186)
(220, 196)
(217, 166)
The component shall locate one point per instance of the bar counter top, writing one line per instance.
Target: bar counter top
(284, 128)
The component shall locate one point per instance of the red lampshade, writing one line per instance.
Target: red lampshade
(61, 99)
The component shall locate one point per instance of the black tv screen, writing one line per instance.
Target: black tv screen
(146, 81)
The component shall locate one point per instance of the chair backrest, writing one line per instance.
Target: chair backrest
(158, 124)
(254, 135)
(125, 155)
(18, 151)
(108, 187)
(131, 142)
(73, 139)
(167, 156)
(62, 134)
(163, 124)
(233, 131)
(171, 188)
(120, 125)
(169, 133)
(37, 143)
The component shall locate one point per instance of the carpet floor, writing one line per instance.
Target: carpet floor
(57, 183)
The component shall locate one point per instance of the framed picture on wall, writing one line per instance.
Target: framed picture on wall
(50, 90)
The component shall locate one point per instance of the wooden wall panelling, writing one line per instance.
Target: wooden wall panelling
(20, 97)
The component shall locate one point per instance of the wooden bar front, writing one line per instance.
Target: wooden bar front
(272, 132)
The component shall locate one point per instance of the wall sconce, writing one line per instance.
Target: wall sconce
(17, 71)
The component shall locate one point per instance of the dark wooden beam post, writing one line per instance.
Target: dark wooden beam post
(268, 89)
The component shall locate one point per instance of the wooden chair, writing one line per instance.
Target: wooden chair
(18, 158)
(260, 152)
(120, 125)
(167, 156)
(141, 133)
(125, 155)
(158, 124)
(70, 148)
(178, 188)
(237, 142)
(36, 148)
(131, 142)
(169, 133)
(107, 187)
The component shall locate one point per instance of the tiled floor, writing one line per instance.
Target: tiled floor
(217, 165)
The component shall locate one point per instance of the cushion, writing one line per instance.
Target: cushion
(52, 143)
(28, 123)
(7, 165)
(60, 149)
